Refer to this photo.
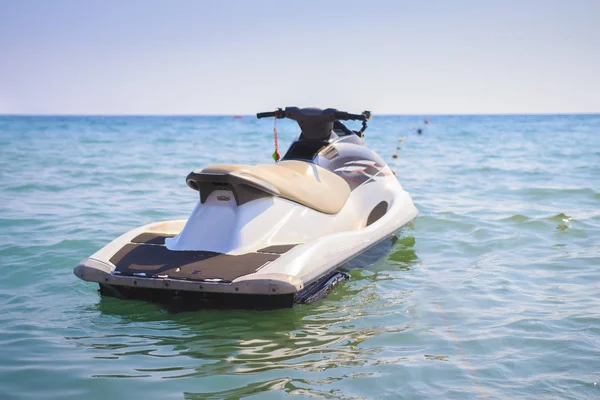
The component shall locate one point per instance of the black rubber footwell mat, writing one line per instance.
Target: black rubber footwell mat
(154, 261)
(151, 238)
(278, 249)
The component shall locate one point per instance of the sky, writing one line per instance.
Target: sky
(238, 57)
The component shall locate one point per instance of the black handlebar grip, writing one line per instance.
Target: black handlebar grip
(266, 114)
(357, 117)
(344, 116)
(279, 113)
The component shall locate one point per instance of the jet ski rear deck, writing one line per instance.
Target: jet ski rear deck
(151, 258)
(147, 257)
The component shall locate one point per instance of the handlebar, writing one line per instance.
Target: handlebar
(337, 115)
(315, 123)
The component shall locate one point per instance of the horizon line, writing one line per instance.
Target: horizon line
(252, 114)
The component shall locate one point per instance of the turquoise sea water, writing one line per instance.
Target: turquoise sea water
(492, 293)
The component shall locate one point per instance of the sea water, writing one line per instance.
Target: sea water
(492, 293)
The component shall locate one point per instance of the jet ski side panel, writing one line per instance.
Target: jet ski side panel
(310, 261)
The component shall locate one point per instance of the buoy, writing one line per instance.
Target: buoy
(394, 155)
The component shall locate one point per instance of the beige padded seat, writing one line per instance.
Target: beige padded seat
(298, 181)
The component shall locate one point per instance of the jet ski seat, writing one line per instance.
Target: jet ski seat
(298, 181)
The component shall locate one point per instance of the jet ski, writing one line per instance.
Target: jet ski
(264, 236)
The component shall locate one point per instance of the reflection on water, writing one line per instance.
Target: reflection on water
(293, 387)
(399, 248)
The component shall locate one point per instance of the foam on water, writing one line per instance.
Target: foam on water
(493, 292)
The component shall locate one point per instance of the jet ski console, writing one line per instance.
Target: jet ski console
(305, 183)
(316, 126)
